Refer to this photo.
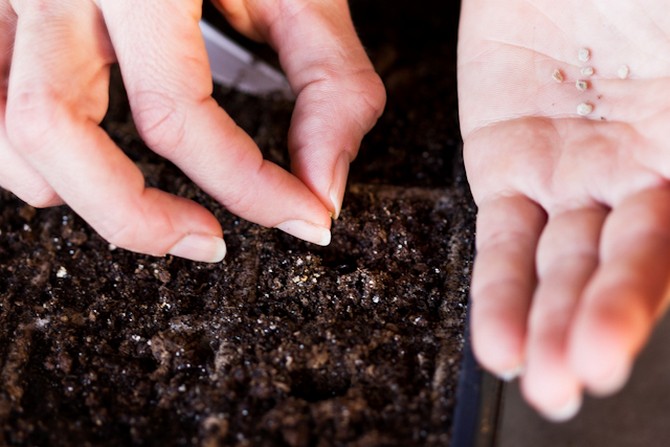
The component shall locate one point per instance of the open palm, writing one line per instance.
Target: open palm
(573, 232)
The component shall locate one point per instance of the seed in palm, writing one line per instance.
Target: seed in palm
(587, 71)
(557, 76)
(584, 109)
(584, 54)
(623, 72)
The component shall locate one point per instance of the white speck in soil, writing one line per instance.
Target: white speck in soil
(61, 273)
(41, 323)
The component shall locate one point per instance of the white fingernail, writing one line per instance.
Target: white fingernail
(200, 247)
(339, 183)
(613, 382)
(567, 411)
(511, 374)
(306, 231)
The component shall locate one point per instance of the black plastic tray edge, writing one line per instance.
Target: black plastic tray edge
(478, 402)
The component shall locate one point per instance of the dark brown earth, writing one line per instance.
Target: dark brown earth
(284, 343)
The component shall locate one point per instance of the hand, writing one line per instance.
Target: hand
(55, 58)
(573, 231)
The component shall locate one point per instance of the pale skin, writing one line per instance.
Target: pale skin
(573, 230)
(55, 59)
(574, 212)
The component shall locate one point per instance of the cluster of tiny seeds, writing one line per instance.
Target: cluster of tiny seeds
(584, 55)
(584, 108)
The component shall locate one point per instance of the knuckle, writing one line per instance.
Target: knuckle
(240, 197)
(44, 198)
(160, 120)
(32, 114)
(121, 234)
(237, 14)
(20, 6)
(373, 97)
(241, 202)
(38, 196)
(140, 227)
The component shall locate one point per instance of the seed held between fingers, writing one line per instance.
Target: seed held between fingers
(584, 109)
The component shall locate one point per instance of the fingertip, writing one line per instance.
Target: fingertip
(498, 338)
(601, 358)
(200, 247)
(306, 231)
(613, 381)
(500, 355)
(511, 374)
(566, 411)
(551, 387)
(338, 184)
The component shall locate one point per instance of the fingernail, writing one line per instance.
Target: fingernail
(306, 231)
(200, 247)
(567, 411)
(339, 183)
(509, 375)
(614, 381)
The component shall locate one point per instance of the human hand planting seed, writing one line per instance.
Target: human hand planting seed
(571, 180)
(55, 57)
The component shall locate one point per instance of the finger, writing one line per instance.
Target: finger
(20, 178)
(238, 15)
(15, 174)
(339, 95)
(567, 257)
(627, 293)
(57, 95)
(503, 281)
(166, 73)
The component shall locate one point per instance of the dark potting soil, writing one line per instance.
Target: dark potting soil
(284, 343)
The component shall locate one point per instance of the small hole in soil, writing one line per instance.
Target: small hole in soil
(316, 386)
(339, 262)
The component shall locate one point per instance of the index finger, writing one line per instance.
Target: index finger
(339, 94)
(503, 281)
(164, 66)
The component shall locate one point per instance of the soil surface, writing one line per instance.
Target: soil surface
(284, 343)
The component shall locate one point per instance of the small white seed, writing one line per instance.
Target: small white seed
(557, 76)
(584, 54)
(623, 72)
(582, 85)
(584, 109)
(587, 71)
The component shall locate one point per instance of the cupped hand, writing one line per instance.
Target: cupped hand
(55, 59)
(573, 230)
